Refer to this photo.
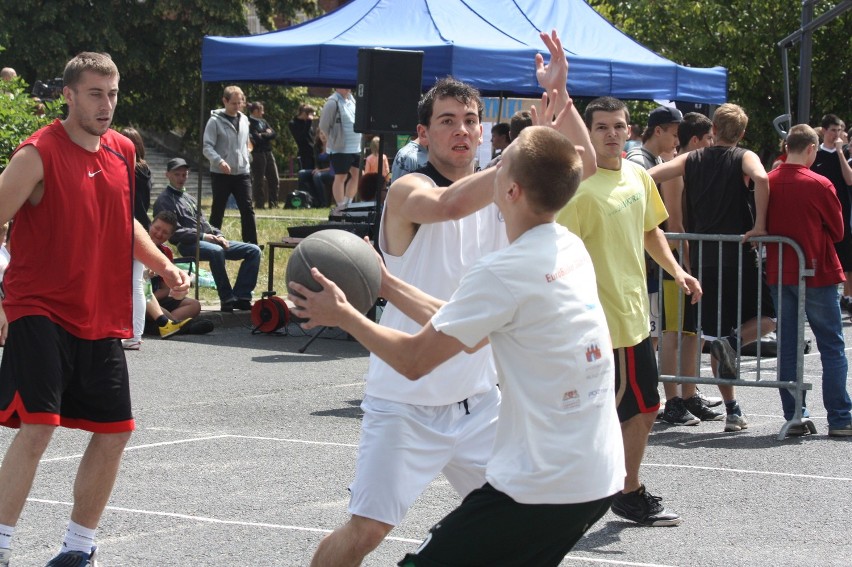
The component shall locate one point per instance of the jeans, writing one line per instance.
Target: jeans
(240, 187)
(822, 308)
(314, 183)
(216, 256)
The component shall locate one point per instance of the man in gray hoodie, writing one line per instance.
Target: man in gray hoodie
(226, 139)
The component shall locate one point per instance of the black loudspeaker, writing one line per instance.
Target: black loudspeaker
(388, 90)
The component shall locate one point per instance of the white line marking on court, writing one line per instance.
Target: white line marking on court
(613, 561)
(146, 446)
(209, 520)
(285, 440)
(745, 471)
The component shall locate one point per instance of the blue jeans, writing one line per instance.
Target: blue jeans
(822, 308)
(216, 256)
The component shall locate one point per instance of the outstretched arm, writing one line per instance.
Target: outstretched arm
(658, 247)
(669, 170)
(419, 202)
(554, 77)
(411, 355)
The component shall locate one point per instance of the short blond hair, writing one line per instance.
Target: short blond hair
(730, 121)
(548, 167)
(231, 90)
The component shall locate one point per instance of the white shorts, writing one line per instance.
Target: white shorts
(404, 447)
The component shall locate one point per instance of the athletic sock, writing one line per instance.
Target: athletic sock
(78, 538)
(733, 408)
(6, 533)
(162, 321)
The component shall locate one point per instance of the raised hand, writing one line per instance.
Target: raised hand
(553, 75)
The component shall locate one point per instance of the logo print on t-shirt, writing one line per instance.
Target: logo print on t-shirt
(593, 352)
(95, 173)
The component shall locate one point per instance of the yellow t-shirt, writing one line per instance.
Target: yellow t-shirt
(611, 212)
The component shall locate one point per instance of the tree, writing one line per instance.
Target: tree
(156, 45)
(20, 116)
(741, 35)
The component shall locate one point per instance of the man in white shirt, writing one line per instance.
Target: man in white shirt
(557, 457)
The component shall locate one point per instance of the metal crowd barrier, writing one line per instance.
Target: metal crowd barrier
(697, 245)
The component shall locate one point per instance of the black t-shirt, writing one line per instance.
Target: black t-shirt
(717, 199)
(827, 164)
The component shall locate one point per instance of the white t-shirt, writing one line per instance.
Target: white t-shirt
(558, 436)
(5, 257)
(435, 261)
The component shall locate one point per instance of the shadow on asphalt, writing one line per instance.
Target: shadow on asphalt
(675, 437)
(354, 411)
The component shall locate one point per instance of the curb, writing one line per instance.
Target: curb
(225, 320)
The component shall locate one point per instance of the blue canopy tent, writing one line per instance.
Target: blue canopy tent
(487, 43)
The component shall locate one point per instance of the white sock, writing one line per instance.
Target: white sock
(78, 538)
(6, 533)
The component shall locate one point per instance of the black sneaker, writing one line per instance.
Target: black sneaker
(74, 559)
(696, 407)
(641, 507)
(242, 304)
(726, 358)
(677, 414)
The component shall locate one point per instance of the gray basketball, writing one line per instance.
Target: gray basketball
(342, 257)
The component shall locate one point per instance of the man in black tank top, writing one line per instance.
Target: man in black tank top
(718, 201)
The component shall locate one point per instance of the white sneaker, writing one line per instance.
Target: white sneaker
(734, 422)
(5, 554)
(130, 344)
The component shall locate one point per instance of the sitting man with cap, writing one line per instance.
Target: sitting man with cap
(215, 248)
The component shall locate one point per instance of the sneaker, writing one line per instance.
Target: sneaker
(74, 559)
(641, 507)
(709, 401)
(242, 304)
(696, 407)
(677, 414)
(131, 344)
(844, 431)
(735, 422)
(5, 554)
(172, 327)
(227, 306)
(726, 359)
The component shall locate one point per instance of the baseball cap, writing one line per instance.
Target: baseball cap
(175, 163)
(663, 115)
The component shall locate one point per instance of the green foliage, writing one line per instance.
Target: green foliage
(18, 116)
(155, 43)
(741, 35)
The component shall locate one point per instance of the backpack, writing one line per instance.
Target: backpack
(298, 200)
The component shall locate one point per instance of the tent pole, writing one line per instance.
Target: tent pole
(499, 108)
(198, 234)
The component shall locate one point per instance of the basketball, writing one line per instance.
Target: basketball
(342, 257)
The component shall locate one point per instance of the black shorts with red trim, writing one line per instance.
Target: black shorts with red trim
(50, 377)
(636, 380)
(489, 528)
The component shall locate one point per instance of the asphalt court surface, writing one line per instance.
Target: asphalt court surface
(244, 449)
